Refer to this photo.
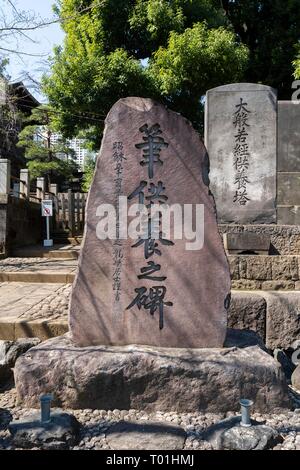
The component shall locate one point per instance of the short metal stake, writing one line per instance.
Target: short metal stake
(245, 409)
(45, 408)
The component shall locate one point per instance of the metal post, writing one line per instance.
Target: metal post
(48, 228)
(45, 408)
(245, 409)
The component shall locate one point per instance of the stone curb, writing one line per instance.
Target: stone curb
(51, 277)
(12, 329)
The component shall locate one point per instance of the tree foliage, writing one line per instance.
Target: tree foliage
(46, 156)
(271, 30)
(137, 48)
(194, 61)
(89, 168)
(169, 50)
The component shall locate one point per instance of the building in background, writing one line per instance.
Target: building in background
(75, 144)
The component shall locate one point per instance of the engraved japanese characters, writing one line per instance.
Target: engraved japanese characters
(150, 288)
(240, 137)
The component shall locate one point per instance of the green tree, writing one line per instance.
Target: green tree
(296, 64)
(121, 48)
(89, 168)
(46, 156)
(271, 30)
(194, 61)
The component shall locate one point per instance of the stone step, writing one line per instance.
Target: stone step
(41, 310)
(57, 252)
(12, 328)
(38, 277)
(33, 309)
(66, 239)
(38, 270)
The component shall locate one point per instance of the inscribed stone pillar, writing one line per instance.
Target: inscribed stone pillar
(152, 290)
(240, 137)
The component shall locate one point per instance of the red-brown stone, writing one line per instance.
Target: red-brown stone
(197, 283)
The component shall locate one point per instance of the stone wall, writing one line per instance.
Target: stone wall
(273, 315)
(285, 239)
(265, 272)
(20, 223)
(288, 176)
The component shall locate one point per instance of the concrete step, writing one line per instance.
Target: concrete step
(38, 277)
(61, 251)
(29, 309)
(38, 270)
(33, 310)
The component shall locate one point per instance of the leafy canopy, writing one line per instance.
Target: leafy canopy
(89, 168)
(171, 51)
(271, 31)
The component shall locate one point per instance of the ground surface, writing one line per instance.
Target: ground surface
(46, 303)
(37, 264)
(34, 300)
(95, 423)
(34, 296)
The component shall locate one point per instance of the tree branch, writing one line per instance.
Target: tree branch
(22, 53)
(50, 22)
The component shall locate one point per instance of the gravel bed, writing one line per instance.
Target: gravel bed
(95, 423)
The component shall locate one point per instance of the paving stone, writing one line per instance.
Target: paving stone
(150, 435)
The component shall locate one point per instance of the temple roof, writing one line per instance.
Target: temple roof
(25, 101)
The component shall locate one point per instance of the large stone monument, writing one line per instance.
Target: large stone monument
(240, 137)
(150, 291)
(148, 314)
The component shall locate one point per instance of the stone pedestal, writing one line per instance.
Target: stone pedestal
(150, 378)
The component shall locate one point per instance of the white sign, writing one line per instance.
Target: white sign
(47, 208)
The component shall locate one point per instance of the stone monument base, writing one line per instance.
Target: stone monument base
(150, 379)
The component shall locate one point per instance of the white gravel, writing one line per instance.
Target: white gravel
(95, 423)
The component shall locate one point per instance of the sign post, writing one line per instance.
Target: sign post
(47, 211)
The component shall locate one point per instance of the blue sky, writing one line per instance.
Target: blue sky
(45, 39)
